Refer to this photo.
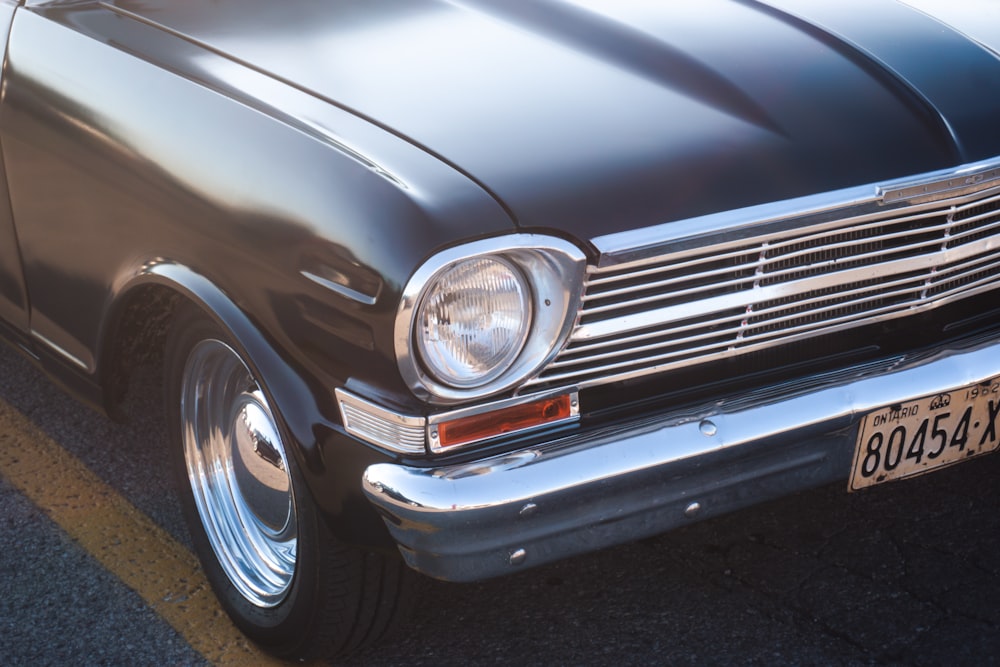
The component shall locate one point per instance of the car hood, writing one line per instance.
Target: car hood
(593, 118)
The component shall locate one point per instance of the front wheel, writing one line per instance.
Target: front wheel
(278, 572)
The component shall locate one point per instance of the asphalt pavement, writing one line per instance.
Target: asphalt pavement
(905, 573)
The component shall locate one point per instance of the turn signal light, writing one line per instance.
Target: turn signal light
(513, 419)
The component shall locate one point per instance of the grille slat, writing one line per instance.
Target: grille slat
(696, 305)
(771, 269)
(751, 333)
(772, 315)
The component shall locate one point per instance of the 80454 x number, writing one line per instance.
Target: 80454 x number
(926, 434)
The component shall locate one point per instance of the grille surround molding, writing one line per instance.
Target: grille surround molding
(897, 249)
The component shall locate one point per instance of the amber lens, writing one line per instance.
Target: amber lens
(508, 420)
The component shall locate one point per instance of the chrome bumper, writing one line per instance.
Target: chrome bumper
(591, 490)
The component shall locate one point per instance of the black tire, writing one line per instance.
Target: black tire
(310, 596)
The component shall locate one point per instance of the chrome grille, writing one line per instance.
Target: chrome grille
(729, 298)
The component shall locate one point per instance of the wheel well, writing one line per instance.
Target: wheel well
(133, 353)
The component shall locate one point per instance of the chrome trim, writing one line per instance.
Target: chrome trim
(776, 217)
(342, 290)
(435, 420)
(605, 486)
(909, 247)
(238, 472)
(375, 424)
(556, 269)
(964, 181)
(641, 245)
(65, 354)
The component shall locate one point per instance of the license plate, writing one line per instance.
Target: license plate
(927, 433)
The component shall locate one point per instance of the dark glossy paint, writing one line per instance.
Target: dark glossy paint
(161, 168)
(955, 77)
(597, 117)
(118, 187)
(289, 165)
(977, 19)
(13, 299)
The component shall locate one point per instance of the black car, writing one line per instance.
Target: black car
(467, 286)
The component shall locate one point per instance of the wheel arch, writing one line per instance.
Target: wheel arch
(333, 463)
(136, 326)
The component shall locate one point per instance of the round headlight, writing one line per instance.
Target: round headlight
(473, 321)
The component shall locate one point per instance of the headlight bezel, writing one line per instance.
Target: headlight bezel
(553, 270)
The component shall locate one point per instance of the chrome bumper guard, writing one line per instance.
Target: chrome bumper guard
(590, 490)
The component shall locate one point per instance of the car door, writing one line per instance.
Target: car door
(13, 299)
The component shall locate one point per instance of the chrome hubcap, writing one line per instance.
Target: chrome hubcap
(238, 470)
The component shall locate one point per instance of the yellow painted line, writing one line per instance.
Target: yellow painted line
(124, 540)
